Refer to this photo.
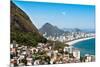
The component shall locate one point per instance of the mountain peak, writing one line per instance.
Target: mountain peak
(47, 25)
(50, 30)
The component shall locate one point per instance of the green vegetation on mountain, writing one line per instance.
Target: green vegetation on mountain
(22, 29)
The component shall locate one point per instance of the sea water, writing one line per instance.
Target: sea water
(86, 46)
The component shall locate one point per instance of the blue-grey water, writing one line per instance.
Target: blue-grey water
(86, 46)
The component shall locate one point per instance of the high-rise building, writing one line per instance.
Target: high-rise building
(76, 54)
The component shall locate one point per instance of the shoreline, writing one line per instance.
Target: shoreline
(78, 40)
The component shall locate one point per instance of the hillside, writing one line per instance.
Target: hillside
(23, 31)
(20, 20)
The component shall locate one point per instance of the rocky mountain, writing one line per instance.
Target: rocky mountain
(51, 30)
(20, 20)
(22, 30)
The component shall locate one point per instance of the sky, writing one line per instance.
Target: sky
(60, 15)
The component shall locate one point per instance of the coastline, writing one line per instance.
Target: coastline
(78, 40)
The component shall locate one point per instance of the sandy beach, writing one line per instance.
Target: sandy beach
(78, 40)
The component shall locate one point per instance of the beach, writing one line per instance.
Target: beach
(78, 40)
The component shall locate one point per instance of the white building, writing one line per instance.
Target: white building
(76, 54)
(29, 61)
(68, 49)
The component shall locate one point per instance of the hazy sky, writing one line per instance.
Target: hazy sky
(60, 15)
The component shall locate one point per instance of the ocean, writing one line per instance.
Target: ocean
(86, 46)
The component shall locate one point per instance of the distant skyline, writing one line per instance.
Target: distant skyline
(60, 15)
